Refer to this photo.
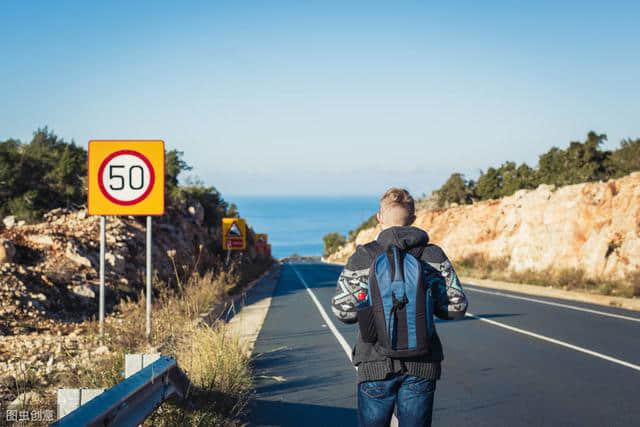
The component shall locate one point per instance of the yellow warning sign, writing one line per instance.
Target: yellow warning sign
(234, 234)
(261, 238)
(126, 178)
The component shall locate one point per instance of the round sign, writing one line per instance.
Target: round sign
(126, 177)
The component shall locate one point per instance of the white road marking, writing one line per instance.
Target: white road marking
(557, 304)
(332, 327)
(345, 346)
(557, 342)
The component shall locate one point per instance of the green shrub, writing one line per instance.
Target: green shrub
(372, 221)
(456, 190)
(480, 266)
(333, 242)
(579, 162)
(44, 174)
(49, 173)
(626, 159)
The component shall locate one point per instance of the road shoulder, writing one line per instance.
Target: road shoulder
(252, 308)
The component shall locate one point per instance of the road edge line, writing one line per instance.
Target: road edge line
(341, 340)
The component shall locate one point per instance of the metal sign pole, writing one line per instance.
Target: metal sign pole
(149, 277)
(103, 238)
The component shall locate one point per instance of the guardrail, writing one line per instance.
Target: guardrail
(131, 401)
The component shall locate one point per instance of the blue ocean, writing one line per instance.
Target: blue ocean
(296, 224)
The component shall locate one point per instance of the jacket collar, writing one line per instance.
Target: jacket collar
(402, 237)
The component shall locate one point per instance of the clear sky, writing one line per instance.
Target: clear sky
(319, 97)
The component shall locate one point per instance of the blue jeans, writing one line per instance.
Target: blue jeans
(412, 395)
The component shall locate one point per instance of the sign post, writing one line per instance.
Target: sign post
(148, 292)
(103, 238)
(126, 178)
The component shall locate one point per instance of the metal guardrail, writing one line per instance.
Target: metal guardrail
(131, 401)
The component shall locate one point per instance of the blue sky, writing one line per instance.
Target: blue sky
(321, 97)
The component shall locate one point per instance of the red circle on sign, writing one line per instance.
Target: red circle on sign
(143, 196)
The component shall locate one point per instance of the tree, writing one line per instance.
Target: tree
(49, 173)
(580, 162)
(456, 190)
(215, 207)
(527, 176)
(489, 185)
(232, 211)
(333, 242)
(44, 174)
(626, 159)
(174, 166)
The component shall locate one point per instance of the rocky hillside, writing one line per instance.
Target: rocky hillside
(49, 271)
(592, 227)
(49, 286)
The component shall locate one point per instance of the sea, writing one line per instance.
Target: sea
(296, 224)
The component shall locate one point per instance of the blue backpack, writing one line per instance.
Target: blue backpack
(397, 314)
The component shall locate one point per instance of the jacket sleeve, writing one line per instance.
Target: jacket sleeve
(450, 302)
(353, 280)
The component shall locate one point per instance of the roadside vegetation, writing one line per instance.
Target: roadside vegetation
(480, 266)
(579, 162)
(49, 172)
(333, 242)
(215, 361)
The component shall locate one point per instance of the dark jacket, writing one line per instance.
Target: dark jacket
(449, 303)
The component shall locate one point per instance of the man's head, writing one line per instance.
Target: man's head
(397, 208)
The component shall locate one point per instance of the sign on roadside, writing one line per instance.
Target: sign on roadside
(234, 234)
(126, 178)
(261, 238)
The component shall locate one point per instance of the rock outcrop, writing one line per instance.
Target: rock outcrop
(593, 227)
(49, 272)
(49, 285)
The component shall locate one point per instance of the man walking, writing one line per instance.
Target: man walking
(398, 352)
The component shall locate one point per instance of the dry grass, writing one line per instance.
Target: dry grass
(215, 362)
(218, 367)
(478, 265)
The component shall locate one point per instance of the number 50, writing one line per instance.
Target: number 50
(114, 175)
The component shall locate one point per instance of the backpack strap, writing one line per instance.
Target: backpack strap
(373, 249)
(417, 252)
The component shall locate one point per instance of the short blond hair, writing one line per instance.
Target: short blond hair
(397, 207)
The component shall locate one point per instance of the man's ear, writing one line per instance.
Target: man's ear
(379, 217)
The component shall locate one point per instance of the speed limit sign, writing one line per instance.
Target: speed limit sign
(126, 178)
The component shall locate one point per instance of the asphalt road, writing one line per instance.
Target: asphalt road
(521, 361)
